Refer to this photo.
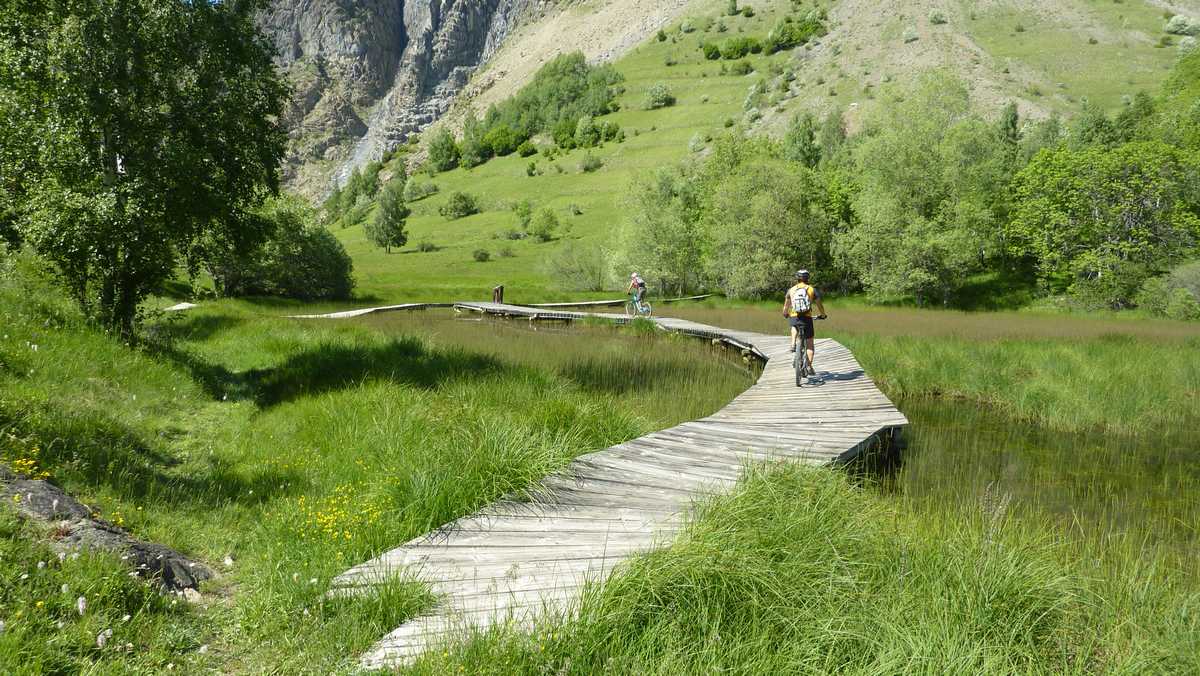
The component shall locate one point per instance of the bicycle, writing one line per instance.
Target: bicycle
(634, 308)
(800, 362)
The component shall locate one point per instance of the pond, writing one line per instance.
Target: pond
(1094, 484)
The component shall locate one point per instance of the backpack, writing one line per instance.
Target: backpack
(801, 301)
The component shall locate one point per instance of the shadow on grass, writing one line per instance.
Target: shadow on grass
(333, 366)
(90, 448)
(185, 326)
(620, 375)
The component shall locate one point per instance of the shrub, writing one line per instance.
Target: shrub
(697, 143)
(661, 36)
(587, 133)
(527, 149)
(729, 122)
(481, 256)
(502, 139)
(590, 163)
(544, 226)
(575, 209)
(739, 47)
(1019, 28)
(742, 67)
(670, 60)
(747, 11)
(712, 51)
(732, 8)
(687, 26)
(531, 169)
(578, 267)
(910, 35)
(443, 151)
(659, 96)
(459, 205)
(507, 252)
(1182, 305)
(1182, 25)
(513, 234)
(937, 18)
(417, 189)
(300, 260)
(425, 246)
(523, 210)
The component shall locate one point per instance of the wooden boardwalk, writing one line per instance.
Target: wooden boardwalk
(515, 559)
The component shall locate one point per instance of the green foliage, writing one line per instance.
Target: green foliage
(800, 142)
(742, 67)
(766, 220)
(300, 259)
(474, 148)
(481, 255)
(590, 163)
(119, 165)
(544, 225)
(459, 205)
(791, 34)
(1099, 220)
(503, 140)
(732, 8)
(740, 47)
(527, 149)
(930, 198)
(579, 267)
(1175, 295)
(386, 229)
(443, 151)
(658, 96)
(1093, 127)
(523, 210)
(661, 237)
(416, 189)
(711, 50)
(587, 133)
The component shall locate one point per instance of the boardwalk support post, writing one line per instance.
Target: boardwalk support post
(498, 294)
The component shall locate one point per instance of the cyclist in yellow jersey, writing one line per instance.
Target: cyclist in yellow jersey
(798, 306)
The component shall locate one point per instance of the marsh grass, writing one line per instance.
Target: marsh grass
(798, 571)
(1066, 372)
(297, 449)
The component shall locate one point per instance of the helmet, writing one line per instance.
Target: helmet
(633, 276)
(802, 275)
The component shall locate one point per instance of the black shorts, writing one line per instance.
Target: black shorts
(806, 322)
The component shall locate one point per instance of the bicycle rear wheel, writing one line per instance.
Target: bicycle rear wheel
(630, 309)
(647, 309)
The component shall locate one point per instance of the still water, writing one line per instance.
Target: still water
(1094, 484)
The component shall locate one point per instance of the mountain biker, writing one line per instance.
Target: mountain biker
(637, 286)
(797, 307)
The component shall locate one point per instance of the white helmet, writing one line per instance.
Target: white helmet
(633, 276)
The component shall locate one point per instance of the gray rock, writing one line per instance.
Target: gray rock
(75, 528)
(369, 73)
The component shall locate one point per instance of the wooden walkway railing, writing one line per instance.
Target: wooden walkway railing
(515, 559)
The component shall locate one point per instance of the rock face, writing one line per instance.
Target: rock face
(368, 73)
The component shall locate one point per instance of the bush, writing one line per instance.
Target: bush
(527, 149)
(444, 153)
(937, 18)
(425, 246)
(590, 163)
(507, 252)
(661, 36)
(697, 143)
(578, 267)
(459, 205)
(1182, 25)
(747, 11)
(418, 189)
(739, 47)
(712, 52)
(531, 169)
(587, 133)
(300, 260)
(481, 256)
(1183, 305)
(544, 226)
(732, 8)
(502, 140)
(742, 67)
(524, 213)
(659, 96)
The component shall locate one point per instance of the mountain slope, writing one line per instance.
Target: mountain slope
(870, 46)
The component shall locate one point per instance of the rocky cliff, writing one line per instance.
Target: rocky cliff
(368, 73)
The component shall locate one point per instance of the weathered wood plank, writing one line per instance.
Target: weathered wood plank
(517, 559)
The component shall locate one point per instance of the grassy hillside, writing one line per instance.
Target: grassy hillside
(281, 452)
(1038, 54)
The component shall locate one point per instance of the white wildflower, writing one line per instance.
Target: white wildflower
(102, 638)
(81, 605)
(66, 589)
(125, 617)
(41, 565)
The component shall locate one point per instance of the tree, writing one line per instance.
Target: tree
(443, 151)
(832, 135)
(927, 213)
(386, 227)
(1099, 221)
(544, 225)
(800, 142)
(662, 238)
(143, 126)
(765, 221)
(1092, 127)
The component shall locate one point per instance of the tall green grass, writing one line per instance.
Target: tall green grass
(1065, 372)
(296, 449)
(801, 572)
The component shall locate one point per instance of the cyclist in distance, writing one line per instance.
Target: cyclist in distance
(797, 307)
(637, 286)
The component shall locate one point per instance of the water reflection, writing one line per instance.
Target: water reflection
(1094, 483)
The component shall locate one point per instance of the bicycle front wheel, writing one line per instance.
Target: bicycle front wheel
(630, 309)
